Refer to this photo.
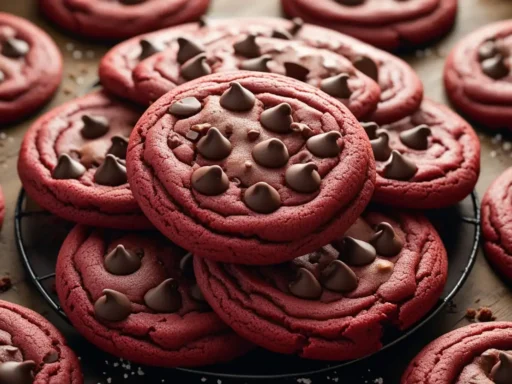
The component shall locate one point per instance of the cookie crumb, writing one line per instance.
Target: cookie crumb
(5, 284)
(471, 313)
(485, 314)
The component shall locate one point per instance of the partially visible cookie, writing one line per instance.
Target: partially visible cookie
(477, 353)
(72, 162)
(30, 68)
(32, 350)
(387, 271)
(134, 295)
(2, 208)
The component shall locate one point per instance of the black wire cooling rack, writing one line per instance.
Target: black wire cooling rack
(458, 226)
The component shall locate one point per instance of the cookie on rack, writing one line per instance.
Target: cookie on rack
(389, 25)
(72, 162)
(401, 90)
(387, 271)
(32, 350)
(250, 167)
(430, 159)
(30, 68)
(134, 295)
(477, 353)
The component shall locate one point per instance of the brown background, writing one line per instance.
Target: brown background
(81, 60)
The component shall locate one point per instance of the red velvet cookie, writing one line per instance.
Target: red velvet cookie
(32, 350)
(250, 167)
(430, 159)
(496, 224)
(72, 163)
(387, 271)
(477, 75)
(477, 353)
(134, 295)
(401, 89)
(2, 208)
(30, 68)
(120, 19)
(387, 24)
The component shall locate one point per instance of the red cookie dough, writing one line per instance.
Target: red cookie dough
(134, 295)
(477, 353)
(477, 75)
(32, 350)
(496, 220)
(438, 159)
(334, 304)
(401, 89)
(72, 163)
(2, 208)
(30, 68)
(237, 181)
(387, 24)
(120, 19)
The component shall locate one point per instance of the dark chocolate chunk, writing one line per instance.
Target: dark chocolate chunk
(210, 180)
(253, 134)
(188, 49)
(51, 357)
(325, 144)
(196, 294)
(278, 119)
(192, 135)
(237, 98)
(338, 277)
(13, 372)
(15, 48)
(195, 67)
(186, 107)
(247, 47)
(386, 241)
(417, 137)
(355, 252)
(487, 50)
(371, 129)
(147, 49)
(112, 306)
(380, 146)
(302, 128)
(305, 285)
(501, 373)
(279, 33)
(258, 64)
(296, 71)
(271, 153)
(297, 24)
(399, 168)
(303, 178)
(337, 86)
(187, 266)
(164, 298)
(495, 67)
(262, 198)
(203, 21)
(214, 145)
(121, 261)
(112, 172)
(118, 147)
(94, 126)
(367, 66)
(68, 168)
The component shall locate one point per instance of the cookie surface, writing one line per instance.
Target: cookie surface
(477, 75)
(388, 25)
(121, 18)
(250, 167)
(32, 350)
(72, 163)
(2, 208)
(134, 296)
(437, 162)
(401, 89)
(333, 304)
(477, 353)
(30, 68)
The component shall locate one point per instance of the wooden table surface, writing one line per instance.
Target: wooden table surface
(483, 288)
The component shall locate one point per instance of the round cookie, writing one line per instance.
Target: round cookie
(120, 19)
(333, 304)
(477, 353)
(32, 350)
(430, 159)
(250, 167)
(72, 163)
(30, 68)
(477, 75)
(2, 208)
(389, 25)
(134, 295)
(401, 89)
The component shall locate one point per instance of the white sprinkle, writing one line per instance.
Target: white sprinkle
(497, 138)
(109, 380)
(493, 154)
(3, 136)
(379, 380)
(89, 54)
(125, 375)
(420, 53)
(219, 381)
(77, 55)
(203, 379)
(507, 146)
(116, 365)
(335, 379)
(428, 52)
(70, 46)
(140, 372)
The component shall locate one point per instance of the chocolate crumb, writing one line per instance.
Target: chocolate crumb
(471, 313)
(485, 314)
(5, 284)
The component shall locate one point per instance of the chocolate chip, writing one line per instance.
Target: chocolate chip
(355, 252)
(262, 198)
(417, 137)
(13, 372)
(325, 144)
(186, 107)
(259, 64)
(187, 266)
(51, 357)
(118, 147)
(303, 178)
(15, 48)
(237, 98)
(297, 24)
(380, 146)
(111, 172)
(164, 298)
(188, 49)
(196, 294)
(247, 47)
(193, 135)
(301, 128)
(112, 306)
(253, 134)
(305, 285)
(203, 21)
(278, 119)
(350, 2)
(195, 67)
(281, 34)
(296, 71)
(501, 373)
(121, 262)
(386, 241)
(495, 67)
(210, 180)
(399, 168)
(147, 49)
(367, 66)
(214, 145)
(338, 277)
(248, 164)
(68, 168)
(337, 86)
(94, 126)
(487, 50)
(371, 129)
(271, 153)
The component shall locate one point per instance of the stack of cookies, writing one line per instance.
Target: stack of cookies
(222, 181)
